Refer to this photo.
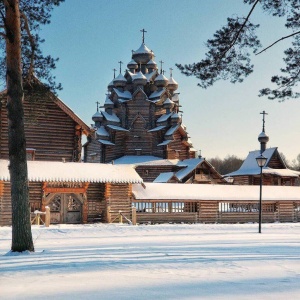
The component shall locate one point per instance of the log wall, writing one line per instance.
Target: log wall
(48, 129)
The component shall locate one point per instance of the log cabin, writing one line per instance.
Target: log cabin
(75, 192)
(53, 131)
(275, 171)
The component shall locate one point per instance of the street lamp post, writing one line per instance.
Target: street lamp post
(261, 161)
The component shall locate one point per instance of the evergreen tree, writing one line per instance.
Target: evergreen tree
(21, 61)
(229, 51)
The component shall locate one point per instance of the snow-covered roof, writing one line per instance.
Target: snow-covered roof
(164, 143)
(120, 77)
(163, 118)
(189, 164)
(118, 128)
(74, 172)
(108, 101)
(168, 101)
(172, 81)
(161, 77)
(101, 131)
(163, 177)
(157, 94)
(149, 76)
(139, 75)
(123, 95)
(144, 160)
(106, 142)
(250, 167)
(175, 97)
(157, 128)
(172, 130)
(143, 49)
(112, 118)
(173, 191)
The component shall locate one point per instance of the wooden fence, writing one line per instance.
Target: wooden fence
(168, 211)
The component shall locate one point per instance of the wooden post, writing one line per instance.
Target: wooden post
(47, 216)
(37, 219)
(108, 215)
(120, 217)
(133, 213)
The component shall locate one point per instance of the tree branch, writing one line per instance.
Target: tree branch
(279, 40)
(32, 44)
(4, 35)
(240, 30)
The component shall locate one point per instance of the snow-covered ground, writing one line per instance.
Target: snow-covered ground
(114, 261)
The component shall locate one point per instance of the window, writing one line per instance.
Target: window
(30, 153)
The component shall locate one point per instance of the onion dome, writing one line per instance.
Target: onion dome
(175, 118)
(263, 138)
(161, 80)
(172, 84)
(110, 85)
(108, 103)
(168, 103)
(120, 81)
(132, 65)
(142, 55)
(97, 117)
(139, 79)
(151, 65)
(102, 132)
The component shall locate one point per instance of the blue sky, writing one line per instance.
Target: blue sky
(90, 37)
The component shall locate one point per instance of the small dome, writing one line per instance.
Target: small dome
(161, 80)
(151, 64)
(97, 117)
(172, 84)
(175, 116)
(132, 65)
(119, 81)
(142, 55)
(101, 132)
(139, 79)
(108, 103)
(111, 85)
(263, 138)
(168, 103)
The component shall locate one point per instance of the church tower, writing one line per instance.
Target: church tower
(140, 114)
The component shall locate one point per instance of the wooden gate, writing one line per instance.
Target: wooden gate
(65, 208)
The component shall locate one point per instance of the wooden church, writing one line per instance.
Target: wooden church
(274, 172)
(140, 124)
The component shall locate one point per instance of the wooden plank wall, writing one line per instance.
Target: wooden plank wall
(208, 212)
(5, 217)
(118, 197)
(48, 129)
(149, 173)
(96, 202)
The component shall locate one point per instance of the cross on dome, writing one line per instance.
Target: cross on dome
(120, 62)
(263, 113)
(161, 63)
(171, 69)
(114, 72)
(143, 31)
(98, 103)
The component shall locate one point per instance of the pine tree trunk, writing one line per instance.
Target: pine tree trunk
(21, 227)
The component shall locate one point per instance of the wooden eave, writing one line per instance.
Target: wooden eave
(86, 129)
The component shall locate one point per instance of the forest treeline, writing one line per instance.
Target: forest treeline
(232, 163)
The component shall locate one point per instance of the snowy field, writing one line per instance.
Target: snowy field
(107, 261)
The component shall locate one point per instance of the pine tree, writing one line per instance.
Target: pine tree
(22, 60)
(229, 51)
